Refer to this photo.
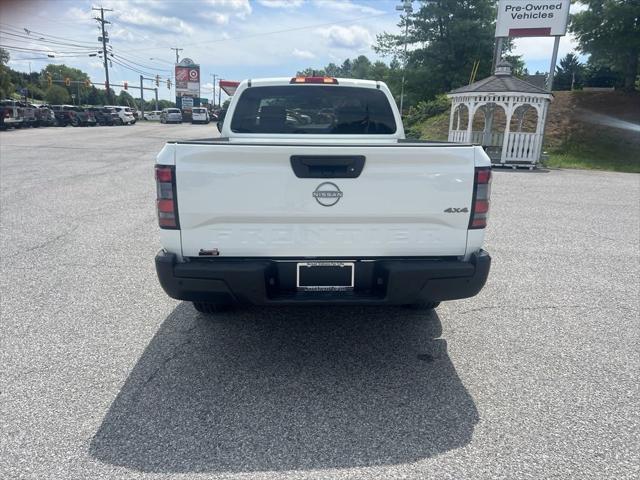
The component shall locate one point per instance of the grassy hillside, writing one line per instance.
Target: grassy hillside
(593, 130)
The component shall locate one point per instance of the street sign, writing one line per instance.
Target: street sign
(532, 18)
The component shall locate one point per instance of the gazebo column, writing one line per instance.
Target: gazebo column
(472, 111)
(453, 112)
(489, 111)
(541, 110)
(507, 128)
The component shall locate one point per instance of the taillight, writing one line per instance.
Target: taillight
(166, 201)
(481, 194)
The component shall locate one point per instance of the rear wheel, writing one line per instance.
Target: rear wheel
(210, 308)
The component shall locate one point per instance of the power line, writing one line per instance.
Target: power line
(44, 40)
(138, 64)
(53, 52)
(131, 67)
(29, 31)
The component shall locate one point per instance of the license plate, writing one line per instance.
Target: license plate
(325, 276)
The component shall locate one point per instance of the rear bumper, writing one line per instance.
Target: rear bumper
(264, 281)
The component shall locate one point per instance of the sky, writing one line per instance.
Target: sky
(233, 39)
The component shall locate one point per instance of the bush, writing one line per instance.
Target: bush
(431, 108)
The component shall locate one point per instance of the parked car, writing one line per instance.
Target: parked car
(199, 115)
(105, 116)
(65, 115)
(45, 116)
(29, 114)
(10, 115)
(125, 113)
(154, 115)
(86, 118)
(349, 211)
(171, 115)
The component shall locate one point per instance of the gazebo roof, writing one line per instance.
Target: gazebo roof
(501, 81)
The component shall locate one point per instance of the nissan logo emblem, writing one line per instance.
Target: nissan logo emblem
(327, 194)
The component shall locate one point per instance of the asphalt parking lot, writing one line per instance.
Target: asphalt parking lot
(103, 376)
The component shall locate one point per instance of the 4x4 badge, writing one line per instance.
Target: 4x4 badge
(456, 210)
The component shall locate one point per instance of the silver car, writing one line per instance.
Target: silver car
(171, 115)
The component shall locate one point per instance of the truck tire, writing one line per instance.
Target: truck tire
(424, 306)
(210, 308)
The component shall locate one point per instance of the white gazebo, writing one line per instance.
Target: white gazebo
(511, 124)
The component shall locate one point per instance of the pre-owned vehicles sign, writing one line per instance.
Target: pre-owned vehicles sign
(532, 18)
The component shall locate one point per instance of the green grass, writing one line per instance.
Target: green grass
(601, 150)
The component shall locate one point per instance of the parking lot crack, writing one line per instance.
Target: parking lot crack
(50, 241)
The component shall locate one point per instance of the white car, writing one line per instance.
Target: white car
(125, 114)
(340, 209)
(154, 116)
(171, 115)
(200, 115)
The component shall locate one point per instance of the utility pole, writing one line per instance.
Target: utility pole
(213, 89)
(219, 95)
(102, 22)
(408, 10)
(178, 50)
(156, 89)
(142, 96)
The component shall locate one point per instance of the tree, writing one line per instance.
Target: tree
(124, 98)
(445, 38)
(609, 30)
(61, 72)
(599, 74)
(6, 86)
(569, 74)
(56, 95)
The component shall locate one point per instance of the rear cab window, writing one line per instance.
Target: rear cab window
(313, 109)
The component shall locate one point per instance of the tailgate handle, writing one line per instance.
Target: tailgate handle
(327, 166)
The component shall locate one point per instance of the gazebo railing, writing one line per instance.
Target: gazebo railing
(489, 139)
(458, 136)
(522, 146)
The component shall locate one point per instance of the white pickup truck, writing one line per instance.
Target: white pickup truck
(312, 195)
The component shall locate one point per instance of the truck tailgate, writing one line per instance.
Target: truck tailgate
(246, 201)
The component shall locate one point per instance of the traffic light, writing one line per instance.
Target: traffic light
(169, 83)
(67, 81)
(157, 80)
(126, 85)
(49, 79)
(87, 83)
